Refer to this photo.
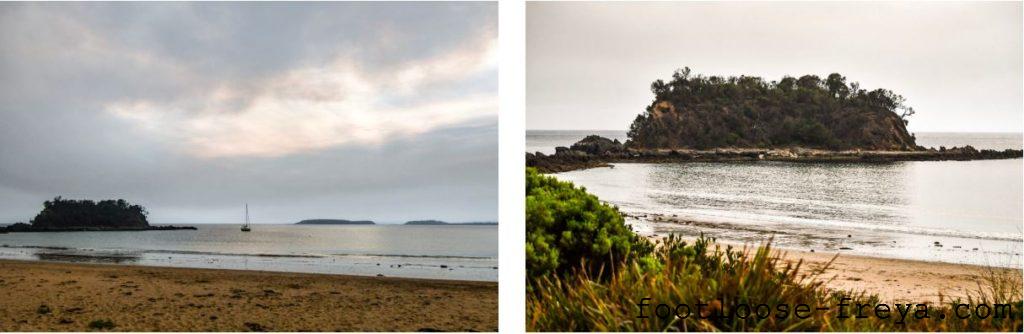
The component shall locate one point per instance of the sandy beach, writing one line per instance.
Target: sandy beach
(896, 280)
(49, 296)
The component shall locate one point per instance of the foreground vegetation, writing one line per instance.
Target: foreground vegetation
(588, 272)
(701, 112)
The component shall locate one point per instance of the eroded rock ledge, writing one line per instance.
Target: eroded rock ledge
(595, 151)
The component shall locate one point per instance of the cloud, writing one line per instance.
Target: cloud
(302, 109)
(319, 107)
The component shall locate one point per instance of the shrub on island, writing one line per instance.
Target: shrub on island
(702, 112)
(62, 214)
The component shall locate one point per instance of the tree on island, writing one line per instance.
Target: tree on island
(701, 112)
(63, 213)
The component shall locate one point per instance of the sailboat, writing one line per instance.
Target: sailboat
(245, 228)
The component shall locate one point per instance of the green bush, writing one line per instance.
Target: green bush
(565, 226)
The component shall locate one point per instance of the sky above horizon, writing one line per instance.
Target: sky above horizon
(959, 65)
(379, 111)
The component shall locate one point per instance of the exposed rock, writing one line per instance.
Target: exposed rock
(597, 145)
(567, 159)
(561, 162)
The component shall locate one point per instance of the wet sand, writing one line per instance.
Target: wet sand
(49, 296)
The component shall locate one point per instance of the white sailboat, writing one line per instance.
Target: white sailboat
(245, 228)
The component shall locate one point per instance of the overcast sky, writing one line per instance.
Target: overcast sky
(590, 65)
(382, 111)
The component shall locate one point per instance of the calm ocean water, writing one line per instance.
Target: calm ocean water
(545, 141)
(895, 210)
(437, 252)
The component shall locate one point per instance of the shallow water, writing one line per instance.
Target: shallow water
(896, 210)
(892, 210)
(437, 252)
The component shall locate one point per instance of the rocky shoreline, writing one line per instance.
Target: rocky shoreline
(595, 151)
(22, 227)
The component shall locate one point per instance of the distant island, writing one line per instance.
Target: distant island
(807, 119)
(438, 222)
(67, 215)
(334, 222)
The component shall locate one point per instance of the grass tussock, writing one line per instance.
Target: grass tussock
(725, 280)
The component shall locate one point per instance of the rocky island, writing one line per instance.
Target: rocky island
(438, 222)
(67, 215)
(807, 119)
(334, 222)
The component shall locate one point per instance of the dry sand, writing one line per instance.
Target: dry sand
(901, 280)
(46, 296)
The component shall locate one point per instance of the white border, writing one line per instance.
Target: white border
(511, 167)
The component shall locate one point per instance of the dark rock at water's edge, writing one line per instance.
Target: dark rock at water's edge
(589, 155)
(22, 227)
(597, 145)
(334, 222)
(564, 161)
(438, 222)
(65, 215)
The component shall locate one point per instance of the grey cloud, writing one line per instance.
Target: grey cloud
(63, 64)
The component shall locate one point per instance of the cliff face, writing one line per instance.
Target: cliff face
(698, 112)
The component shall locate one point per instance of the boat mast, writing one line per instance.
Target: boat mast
(247, 214)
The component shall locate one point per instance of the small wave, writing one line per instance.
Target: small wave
(418, 256)
(769, 223)
(84, 251)
(186, 252)
(271, 255)
(36, 247)
(93, 258)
